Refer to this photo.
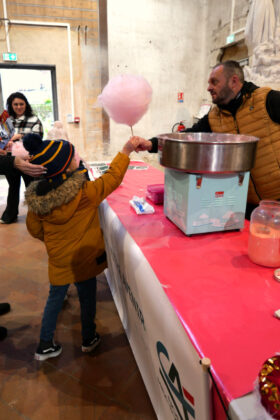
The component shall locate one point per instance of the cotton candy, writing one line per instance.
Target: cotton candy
(126, 98)
(19, 150)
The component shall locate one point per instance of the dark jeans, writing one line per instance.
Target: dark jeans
(13, 177)
(87, 296)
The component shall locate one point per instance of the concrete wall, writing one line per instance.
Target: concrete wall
(165, 42)
(174, 46)
(224, 18)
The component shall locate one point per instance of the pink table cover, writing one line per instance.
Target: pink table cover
(225, 302)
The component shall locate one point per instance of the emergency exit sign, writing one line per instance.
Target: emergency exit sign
(230, 38)
(9, 57)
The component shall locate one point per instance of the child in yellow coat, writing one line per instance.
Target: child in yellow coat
(63, 213)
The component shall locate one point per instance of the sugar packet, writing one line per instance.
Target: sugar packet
(140, 205)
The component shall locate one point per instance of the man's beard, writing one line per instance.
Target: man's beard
(224, 97)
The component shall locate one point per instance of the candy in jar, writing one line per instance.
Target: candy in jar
(264, 237)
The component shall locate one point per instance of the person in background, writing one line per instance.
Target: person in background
(241, 107)
(22, 116)
(8, 164)
(63, 212)
(6, 130)
(24, 121)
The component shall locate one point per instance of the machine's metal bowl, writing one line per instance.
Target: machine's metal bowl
(207, 152)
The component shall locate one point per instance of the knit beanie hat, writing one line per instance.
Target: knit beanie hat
(55, 155)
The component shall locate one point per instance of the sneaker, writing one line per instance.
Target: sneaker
(3, 333)
(88, 347)
(47, 349)
(4, 308)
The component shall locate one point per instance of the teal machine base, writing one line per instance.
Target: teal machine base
(200, 203)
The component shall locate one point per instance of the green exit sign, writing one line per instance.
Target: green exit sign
(9, 57)
(230, 38)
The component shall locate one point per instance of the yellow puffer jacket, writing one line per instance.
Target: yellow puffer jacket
(252, 119)
(66, 219)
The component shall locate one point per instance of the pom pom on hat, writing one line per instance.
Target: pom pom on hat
(32, 142)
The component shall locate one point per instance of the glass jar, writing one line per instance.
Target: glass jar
(264, 237)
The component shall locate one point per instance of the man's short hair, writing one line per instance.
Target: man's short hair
(231, 68)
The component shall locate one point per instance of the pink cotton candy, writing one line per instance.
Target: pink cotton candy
(126, 98)
(19, 150)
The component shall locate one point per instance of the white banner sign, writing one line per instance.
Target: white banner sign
(175, 380)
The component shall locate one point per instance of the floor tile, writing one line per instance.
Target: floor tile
(8, 413)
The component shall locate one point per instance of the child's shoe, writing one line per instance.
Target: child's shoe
(88, 347)
(47, 349)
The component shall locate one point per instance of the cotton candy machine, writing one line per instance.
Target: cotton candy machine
(206, 179)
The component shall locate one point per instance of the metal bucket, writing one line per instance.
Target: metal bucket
(207, 152)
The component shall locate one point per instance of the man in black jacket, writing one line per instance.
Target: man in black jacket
(225, 98)
(7, 165)
(243, 108)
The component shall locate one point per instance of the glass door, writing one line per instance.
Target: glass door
(38, 84)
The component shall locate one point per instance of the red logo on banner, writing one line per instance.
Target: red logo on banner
(219, 194)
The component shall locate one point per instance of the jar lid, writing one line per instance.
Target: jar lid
(276, 274)
(272, 203)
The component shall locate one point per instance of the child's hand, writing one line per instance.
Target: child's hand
(133, 144)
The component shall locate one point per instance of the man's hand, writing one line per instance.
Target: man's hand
(143, 145)
(3, 152)
(28, 168)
